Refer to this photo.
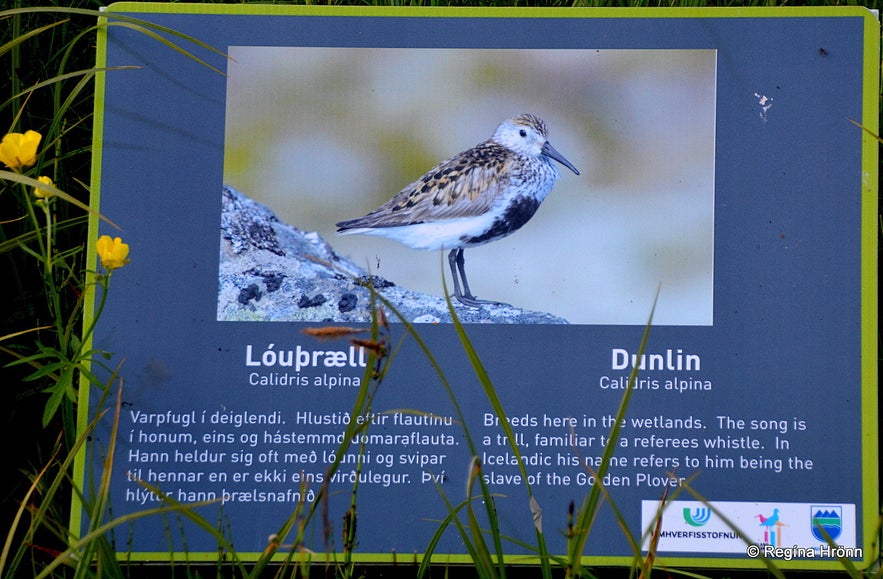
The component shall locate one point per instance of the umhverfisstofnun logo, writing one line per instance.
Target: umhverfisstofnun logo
(690, 527)
(697, 517)
(775, 530)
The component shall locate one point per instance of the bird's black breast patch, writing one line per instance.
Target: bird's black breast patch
(519, 212)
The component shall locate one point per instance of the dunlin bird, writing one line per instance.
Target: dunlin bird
(481, 195)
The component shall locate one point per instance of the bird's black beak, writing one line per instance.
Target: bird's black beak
(549, 151)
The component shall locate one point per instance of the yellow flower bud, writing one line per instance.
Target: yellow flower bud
(40, 193)
(19, 150)
(112, 252)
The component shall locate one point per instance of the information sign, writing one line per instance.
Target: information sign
(723, 159)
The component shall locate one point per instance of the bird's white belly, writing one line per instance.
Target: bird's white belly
(447, 234)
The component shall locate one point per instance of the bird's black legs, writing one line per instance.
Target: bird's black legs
(458, 272)
(457, 263)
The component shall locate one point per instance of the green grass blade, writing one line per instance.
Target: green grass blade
(591, 504)
(497, 406)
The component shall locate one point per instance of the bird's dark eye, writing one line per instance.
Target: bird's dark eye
(522, 132)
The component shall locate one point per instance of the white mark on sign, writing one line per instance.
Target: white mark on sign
(765, 103)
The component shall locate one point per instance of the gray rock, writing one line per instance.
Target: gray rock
(271, 271)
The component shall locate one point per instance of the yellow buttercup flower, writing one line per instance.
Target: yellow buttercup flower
(112, 252)
(19, 150)
(40, 193)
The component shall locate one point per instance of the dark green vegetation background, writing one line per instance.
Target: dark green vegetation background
(28, 444)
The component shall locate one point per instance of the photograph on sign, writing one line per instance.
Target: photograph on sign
(325, 135)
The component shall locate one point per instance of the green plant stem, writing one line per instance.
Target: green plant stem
(45, 205)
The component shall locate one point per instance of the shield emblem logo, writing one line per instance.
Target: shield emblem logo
(829, 518)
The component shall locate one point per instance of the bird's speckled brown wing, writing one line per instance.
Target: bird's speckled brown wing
(463, 186)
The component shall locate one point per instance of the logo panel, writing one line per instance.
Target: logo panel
(829, 518)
